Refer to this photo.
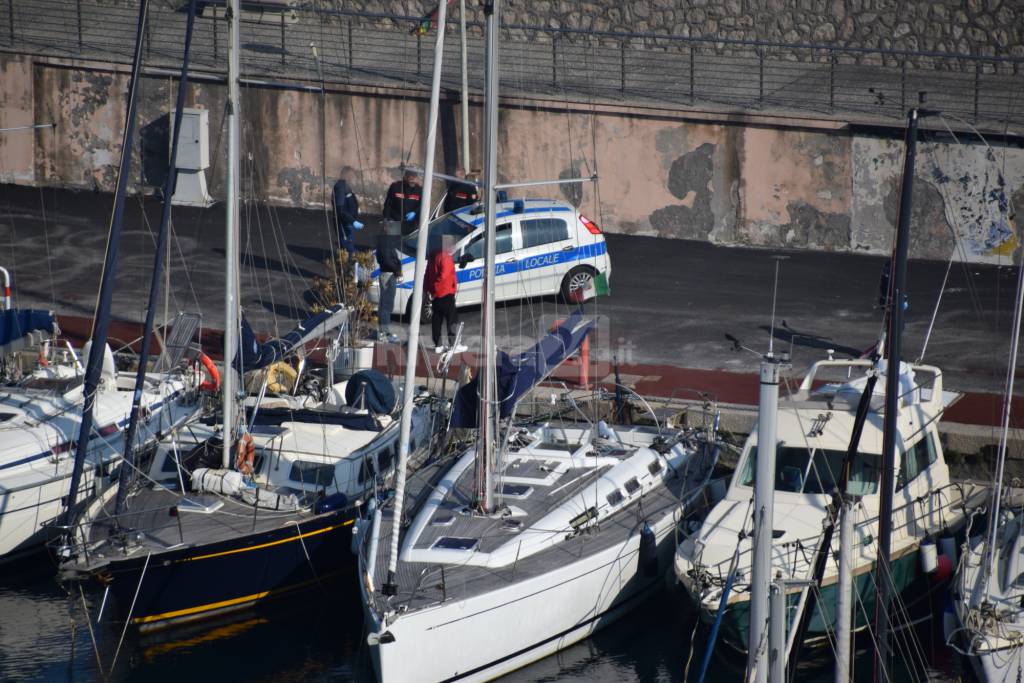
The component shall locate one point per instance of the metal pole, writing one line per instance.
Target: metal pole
(412, 348)
(465, 89)
(94, 364)
(489, 395)
(777, 632)
(844, 594)
(897, 292)
(7, 288)
(231, 233)
(158, 268)
(764, 502)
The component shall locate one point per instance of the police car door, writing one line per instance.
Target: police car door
(548, 248)
(469, 265)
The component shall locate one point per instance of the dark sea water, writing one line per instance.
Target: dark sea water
(45, 636)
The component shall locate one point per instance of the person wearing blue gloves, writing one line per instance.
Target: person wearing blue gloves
(346, 210)
(402, 203)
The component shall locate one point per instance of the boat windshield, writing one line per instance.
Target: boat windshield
(449, 225)
(802, 470)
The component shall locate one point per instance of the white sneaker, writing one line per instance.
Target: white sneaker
(461, 348)
(440, 349)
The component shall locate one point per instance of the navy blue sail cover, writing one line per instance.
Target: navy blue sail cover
(372, 390)
(16, 323)
(254, 355)
(516, 375)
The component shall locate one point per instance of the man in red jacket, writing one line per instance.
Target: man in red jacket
(440, 282)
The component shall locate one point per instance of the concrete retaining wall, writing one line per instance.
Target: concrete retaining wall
(770, 182)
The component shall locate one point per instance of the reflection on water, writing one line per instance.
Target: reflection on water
(45, 636)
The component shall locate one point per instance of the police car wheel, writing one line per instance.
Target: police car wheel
(575, 284)
(426, 314)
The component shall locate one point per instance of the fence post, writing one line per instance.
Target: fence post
(903, 85)
(216, 38)
(977, 88)
(351, 64)
(831, 79)
(419, 55)
(760, 75)
(622, 66)
(10, 19)
(78, 12)
(693, 94)
(283, 49)
(554, 59)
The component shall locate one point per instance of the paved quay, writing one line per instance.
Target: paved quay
(665, 322)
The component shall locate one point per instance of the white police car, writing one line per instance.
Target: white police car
(543, 247)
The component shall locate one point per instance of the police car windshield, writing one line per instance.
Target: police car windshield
(448, 225)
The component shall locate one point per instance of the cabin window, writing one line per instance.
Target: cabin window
(916, 460)
(631, 486)
(614, 498)
(312, 473)
(384, 459)
(655, 467)
(455, 543)
(796, 471)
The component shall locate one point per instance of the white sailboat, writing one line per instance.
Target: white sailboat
(537, 536)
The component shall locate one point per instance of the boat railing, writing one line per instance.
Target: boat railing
(923, 515)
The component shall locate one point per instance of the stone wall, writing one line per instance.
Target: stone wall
(664, 173)
(974, 27)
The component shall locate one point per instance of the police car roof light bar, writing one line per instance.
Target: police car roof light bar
(557, 181)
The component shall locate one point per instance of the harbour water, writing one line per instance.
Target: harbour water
(318, 636)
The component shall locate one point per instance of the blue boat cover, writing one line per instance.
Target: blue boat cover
(370, 389)
(254, 355)
(16, 323)
(517, 375)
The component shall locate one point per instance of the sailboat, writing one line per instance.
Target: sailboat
(259, 502)
(63, 425)
(538, 535)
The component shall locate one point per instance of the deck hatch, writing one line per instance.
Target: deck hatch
(455, 543)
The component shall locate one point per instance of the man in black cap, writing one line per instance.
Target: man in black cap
(460, 194)
(402, 203)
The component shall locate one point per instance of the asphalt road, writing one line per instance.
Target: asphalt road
(672, 301)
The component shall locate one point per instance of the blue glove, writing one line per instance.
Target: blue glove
(410, 216)
(357, 225)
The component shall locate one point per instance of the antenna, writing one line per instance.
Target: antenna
(775, 294)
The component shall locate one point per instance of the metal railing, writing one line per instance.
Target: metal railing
(570, 64)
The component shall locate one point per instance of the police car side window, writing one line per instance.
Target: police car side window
(502, 243)
(538, 231)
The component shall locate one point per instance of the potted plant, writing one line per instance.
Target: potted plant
(347, 281)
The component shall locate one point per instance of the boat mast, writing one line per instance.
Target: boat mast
(231, 235)
(465, 89)
(764, 503)
(894, 339)
(412, 348)
(102, 319)
(158, 267)
(489, 395)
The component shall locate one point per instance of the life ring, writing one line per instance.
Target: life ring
(245, 454)
(213, 383)
(281, 378)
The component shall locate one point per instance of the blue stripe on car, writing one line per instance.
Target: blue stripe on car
(531, 262)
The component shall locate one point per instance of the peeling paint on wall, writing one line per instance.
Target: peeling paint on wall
(727, 183)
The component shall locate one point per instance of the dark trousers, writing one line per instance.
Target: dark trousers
(444, 311)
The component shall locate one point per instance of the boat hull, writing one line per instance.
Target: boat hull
(194, 583)
(735, 625)
(530, 619)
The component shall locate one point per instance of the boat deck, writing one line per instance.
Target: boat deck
(421, 584)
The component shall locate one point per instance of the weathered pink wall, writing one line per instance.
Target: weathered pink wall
(662, 173)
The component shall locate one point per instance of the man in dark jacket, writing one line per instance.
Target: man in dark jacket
(402, 203)
(346, 211)
(389, 260)
(459, 194)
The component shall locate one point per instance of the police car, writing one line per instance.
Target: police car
(543, 247)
